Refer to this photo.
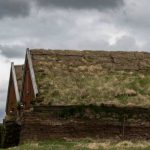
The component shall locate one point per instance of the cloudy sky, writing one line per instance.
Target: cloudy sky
(69, 24)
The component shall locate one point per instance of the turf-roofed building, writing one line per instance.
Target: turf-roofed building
(87, 77)
(78, 94)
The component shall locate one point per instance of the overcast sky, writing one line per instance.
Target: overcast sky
(69, 24)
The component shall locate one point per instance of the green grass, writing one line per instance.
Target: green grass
(86, 144)
(77, 87)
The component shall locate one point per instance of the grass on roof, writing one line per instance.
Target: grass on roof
(84, 85)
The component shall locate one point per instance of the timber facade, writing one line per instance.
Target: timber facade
(78, 94)
(14, 89)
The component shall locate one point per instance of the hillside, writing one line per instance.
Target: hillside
(87, 144)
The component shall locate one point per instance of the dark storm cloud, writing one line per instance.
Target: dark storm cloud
(14, 8)
(14, 51)
(82, 4)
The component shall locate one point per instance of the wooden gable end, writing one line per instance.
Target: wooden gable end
(12, 97)
(28, 90)
(11, 102)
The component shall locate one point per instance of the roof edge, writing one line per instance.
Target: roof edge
(32, 72)
(15, 83)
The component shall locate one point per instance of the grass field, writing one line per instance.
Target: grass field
(87, 144)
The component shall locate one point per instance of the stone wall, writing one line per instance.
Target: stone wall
(85, 121)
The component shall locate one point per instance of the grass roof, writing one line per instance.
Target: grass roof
(92, 77)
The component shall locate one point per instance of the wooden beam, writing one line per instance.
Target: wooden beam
(15, 82)
(32, 73)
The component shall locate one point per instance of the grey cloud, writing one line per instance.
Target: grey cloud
(82, 4)
(14, 8)
(125, 43)
(14, 51)
(133, 18)
(88, 44)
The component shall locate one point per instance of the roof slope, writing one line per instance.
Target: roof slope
(92, 77)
